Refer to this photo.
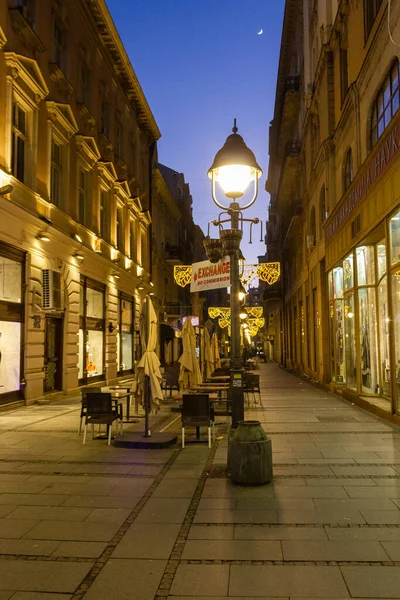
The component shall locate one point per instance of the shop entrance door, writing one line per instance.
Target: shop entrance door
(53, 354)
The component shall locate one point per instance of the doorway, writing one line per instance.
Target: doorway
(53, 354)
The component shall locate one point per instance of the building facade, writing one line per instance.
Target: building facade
(77, 153)
(335, 197)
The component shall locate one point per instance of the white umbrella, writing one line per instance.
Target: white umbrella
(207, 359)
(190, 370)
(215, 352)
(149, 363)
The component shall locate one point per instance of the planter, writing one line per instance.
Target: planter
(250, 455)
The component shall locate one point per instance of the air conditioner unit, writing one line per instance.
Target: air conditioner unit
(310, 241)
(52, 297)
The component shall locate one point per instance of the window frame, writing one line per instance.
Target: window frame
(380, 107)
(348, 170)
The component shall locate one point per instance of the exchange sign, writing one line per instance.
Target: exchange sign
(210, 276)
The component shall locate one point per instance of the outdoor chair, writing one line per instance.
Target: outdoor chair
(171, 378)
(197, 412)
(251, 385)
(84, 392)
(101, 410)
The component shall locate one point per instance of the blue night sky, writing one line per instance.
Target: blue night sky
(200, 64)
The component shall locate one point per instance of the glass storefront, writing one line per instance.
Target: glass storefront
(363, 320)
(91, 331)
(11, 320)
(125, 335)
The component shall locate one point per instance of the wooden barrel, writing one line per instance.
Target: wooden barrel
(250, 455)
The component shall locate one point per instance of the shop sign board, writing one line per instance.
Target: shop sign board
(387, 150)
(210, 276)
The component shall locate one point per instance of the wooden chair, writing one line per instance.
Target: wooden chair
(197, 412)
(101, 410)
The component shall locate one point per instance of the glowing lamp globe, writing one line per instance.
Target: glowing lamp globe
(234, 166)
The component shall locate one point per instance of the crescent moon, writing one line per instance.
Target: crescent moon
(260, 32)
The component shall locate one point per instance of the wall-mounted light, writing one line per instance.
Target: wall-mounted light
(77, 237)
(79, 256)
(139, 270)
(140, 287)
(111, 327)
(42, 236)
(115, 275)
(151, 293)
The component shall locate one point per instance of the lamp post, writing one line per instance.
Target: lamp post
(234, 169)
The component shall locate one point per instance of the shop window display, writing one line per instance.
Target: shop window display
(337, 327)
(125, 335)
(396, 326)
(350, 341)
(10, 280)
(91, 333)
(368, 341)
(365, 265)
(10, 358)
(395, 239)
(348, 273)
(383, 323)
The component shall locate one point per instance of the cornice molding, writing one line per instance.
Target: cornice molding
(125, 73)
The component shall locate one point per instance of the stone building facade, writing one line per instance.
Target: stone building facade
(335, 198)
(77, 155)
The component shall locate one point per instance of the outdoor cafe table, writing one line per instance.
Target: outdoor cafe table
(220, 377)
(123, 392)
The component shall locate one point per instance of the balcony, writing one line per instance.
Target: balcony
(174, 254)
(23, 24)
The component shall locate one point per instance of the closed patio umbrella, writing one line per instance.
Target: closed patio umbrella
(190, 371)
(215, 352)
(207, 358)
(149, 364)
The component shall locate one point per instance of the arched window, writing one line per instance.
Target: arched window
(386, 103)
(323, 213)
(348, 170)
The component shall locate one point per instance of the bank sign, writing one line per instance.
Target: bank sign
(210, 276)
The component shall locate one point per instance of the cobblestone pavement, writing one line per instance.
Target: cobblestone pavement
(104, 523)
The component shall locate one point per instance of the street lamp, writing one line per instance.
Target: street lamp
(234, 168)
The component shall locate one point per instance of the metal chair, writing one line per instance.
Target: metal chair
(171, 378)
(84, 392)
(100, 410)
(251, 385)
(197, 412)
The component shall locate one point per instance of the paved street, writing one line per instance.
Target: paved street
(99, 522)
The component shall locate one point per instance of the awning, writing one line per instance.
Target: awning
(167, 332)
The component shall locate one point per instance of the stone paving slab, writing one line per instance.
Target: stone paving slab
(236, 516)
(281, 581)
(201, 580)
(363, 533)
(72, 531)
(164, 510)
(79, 549)
(175, 488)
(100, 501)
(50, 576)
(51, 513)
(232, 550)
(330, 550)
(217, 532)
(27, 547)
(127, 580)
(148, 541)
(10, 528)
(281, 532)
(322, 516)
(366, 581)
(38, 596)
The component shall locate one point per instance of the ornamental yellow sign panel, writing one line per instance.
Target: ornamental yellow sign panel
(210, 276)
